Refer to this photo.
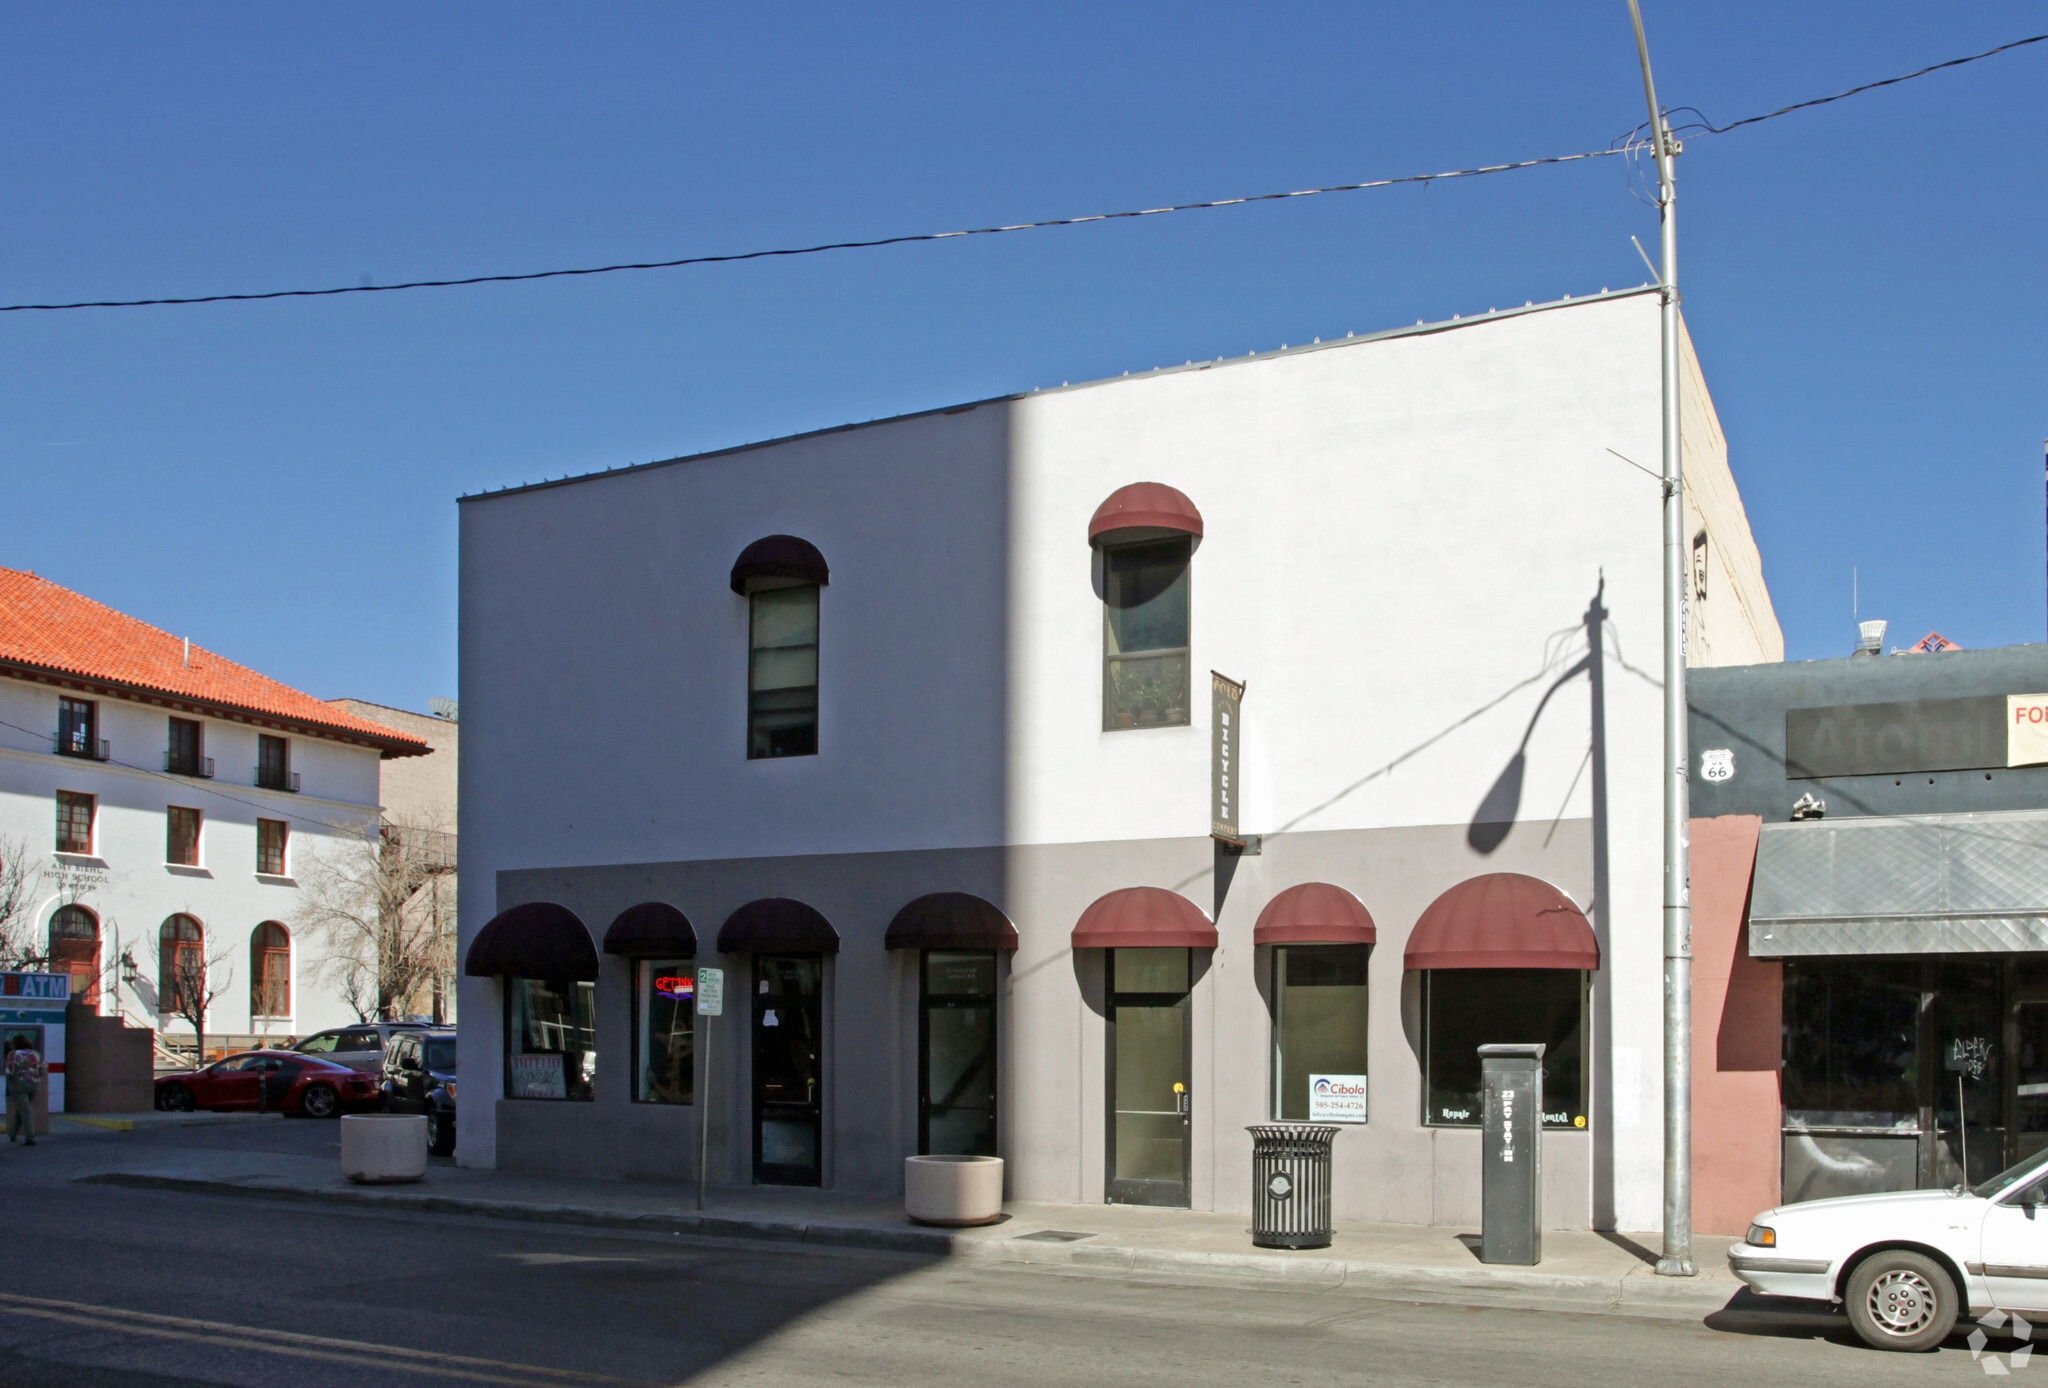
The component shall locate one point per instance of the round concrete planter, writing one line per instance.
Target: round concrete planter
(383, 1148)
(953, 1190)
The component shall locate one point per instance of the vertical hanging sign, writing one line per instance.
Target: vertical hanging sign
(1226, 700)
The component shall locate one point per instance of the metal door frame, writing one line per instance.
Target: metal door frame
(755, 995)
(992, 999)
(1115, 1191)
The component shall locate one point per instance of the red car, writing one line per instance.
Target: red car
(280, 1081)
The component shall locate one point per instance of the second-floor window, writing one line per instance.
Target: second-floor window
(273, 769)
(181, 836)
(182, 754)
(74, 822)
(1145, 634)
(270, 845)
(782, 674)
(78, 729)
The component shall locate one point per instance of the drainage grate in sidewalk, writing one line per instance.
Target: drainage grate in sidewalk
(1054, 1236)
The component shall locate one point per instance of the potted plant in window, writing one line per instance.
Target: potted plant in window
(953, 1191)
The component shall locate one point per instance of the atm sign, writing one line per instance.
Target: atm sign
(675, 987)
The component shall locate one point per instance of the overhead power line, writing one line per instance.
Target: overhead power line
(1623, 146)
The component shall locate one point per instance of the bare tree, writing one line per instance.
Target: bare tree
(197, 975)
(21, 945)
(380, 900)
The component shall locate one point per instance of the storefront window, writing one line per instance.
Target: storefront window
(1319, 1015)
(551, 1040)
(1850, 1043)
(1464, 1009)
(664, 1011)
(957, 1080)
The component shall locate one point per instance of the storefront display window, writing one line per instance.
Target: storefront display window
(664, 1013)
(1464, 1009)
(551, 1038)
(957, 1074)
(1850, 1043)
(1319, 1033)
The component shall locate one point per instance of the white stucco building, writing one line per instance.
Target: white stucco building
(907, 726)
(166, 802)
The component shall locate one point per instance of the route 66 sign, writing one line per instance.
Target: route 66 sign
(1717, 765)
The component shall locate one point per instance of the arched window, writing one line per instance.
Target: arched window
(181, 963)
(270, 971)
(1147, 534)
(780, 576)
(75, 950)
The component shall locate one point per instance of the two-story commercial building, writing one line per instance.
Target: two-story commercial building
(911, 727)
(166, 803)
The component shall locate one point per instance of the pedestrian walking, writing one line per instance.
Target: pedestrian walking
(24, 1078)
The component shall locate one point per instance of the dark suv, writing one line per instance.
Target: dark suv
(419, 1077)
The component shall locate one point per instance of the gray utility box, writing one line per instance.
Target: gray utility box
(1511, 1182)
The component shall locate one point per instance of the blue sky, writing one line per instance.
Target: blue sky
(277, 481)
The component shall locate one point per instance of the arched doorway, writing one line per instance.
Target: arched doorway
(270, 971)
(75, 950)
(181, 963)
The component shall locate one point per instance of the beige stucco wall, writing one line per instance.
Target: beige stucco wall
(415, 790)
(1735, 623)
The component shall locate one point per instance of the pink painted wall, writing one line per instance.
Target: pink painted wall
(1736, 1035)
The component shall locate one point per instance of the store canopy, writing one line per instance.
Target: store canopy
(1314, 913)
(778, 558)
(1144, 511)
(1503, 921)
(777, 925)
(652, 927)
(1144, 918)
(537, 940)
(951, 920)
(1905, 884)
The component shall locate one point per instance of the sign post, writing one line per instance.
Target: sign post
(710, 1003)
(1226, 699)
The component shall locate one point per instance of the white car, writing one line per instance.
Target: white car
(1907, 1264)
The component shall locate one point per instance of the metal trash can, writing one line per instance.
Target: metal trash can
(1291, 1185)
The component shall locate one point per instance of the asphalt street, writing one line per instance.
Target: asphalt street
(117, 1288)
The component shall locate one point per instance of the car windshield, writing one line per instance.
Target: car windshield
(441, 1054)
(2012, 1176)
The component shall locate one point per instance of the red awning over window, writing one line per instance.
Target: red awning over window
(1314, 913)
(1145, 510)
(1144, 918)
(1503, 921)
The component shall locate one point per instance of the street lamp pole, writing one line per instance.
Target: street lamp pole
(1677, 1260)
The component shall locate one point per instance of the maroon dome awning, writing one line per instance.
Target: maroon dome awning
(1144, 510)
(779, 557)
(777, 925)
(950, 920)
(1314, 913)
(652, 927)
(537, 940)
(1144, 918)
(1503, 920)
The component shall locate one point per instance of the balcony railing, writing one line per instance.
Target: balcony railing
(270, 778)
(91, 748)
(180, 765)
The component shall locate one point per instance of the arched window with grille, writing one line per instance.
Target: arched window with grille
(75, 950)
(181, 962)
(270, 971)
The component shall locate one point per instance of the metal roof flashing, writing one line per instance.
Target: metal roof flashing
(1419, 329)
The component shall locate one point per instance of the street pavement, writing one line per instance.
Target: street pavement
(110, 1286)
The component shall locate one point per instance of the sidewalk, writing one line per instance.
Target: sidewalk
(1580, 1271)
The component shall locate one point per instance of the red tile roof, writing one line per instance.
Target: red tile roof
(51, 631)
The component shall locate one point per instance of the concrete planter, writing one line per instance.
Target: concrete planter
(383, 1148)
(953, 1190)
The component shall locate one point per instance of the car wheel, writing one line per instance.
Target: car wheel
(1900, 1300)
(320, 1101)
(175, 1098)
(440, 1133)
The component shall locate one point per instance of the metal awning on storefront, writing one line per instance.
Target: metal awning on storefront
(1143, 918)
(1907, 884)
(1503, 920)
(950, 920)
(537, 940)
(777, 925)
(1315, 913)
(651, 928)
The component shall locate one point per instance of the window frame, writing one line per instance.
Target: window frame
(171, 815)
(283, 830)
(817, 643)
(1278, 1106)
(927, 1001)
(68, 801)
(1585, 1096)
(1112, 659)
(583, 991)
(269, 777)
(260, 954)
(170, 949)
(68, 741)
(61, 958)
(643, 973)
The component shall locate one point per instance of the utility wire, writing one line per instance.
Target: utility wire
(1625, 145)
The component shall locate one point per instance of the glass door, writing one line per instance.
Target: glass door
(2028, 1047)
(1149, 1102)
(788, 1069)
(1966, 1012)
(956, 1091)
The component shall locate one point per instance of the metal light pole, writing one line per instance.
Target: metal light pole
(1677, 1260)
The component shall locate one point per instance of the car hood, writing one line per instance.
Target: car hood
(1890, 1200)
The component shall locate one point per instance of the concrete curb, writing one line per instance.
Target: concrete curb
(129, 1122)
(1476, 1285)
